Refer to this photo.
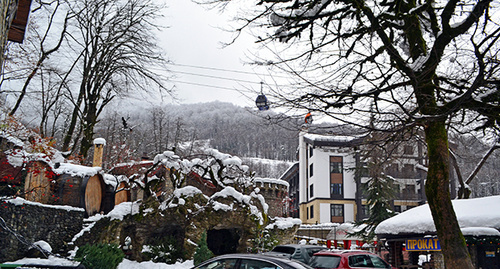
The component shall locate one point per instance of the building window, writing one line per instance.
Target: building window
(408, 170)
(335, 189)
(336, 177)
(311, 191)
(364, 171)
(397, 208)
(312, 212)
(337, 210)
(311, 149)
(311, 170)
(336, 165)
(408, 150)
(337, 213)
(365, 210)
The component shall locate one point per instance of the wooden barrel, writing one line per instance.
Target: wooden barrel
(94, 194)
(122, 193)
(38, 184)
(108, 203)
(87, 192)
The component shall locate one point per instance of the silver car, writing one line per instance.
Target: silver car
(250, 261)
(297, 252)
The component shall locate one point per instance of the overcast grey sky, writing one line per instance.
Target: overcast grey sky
(192, 42)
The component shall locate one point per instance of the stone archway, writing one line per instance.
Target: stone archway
(223, 241)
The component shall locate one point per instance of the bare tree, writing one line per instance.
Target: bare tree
(52, 10)
(464, 191)
(431, 65)
(115, 44)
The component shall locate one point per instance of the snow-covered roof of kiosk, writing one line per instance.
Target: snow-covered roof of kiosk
(478, 216)
(333, 140)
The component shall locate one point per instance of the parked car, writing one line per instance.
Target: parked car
(297, 252)
(250, 261)
(344, 259)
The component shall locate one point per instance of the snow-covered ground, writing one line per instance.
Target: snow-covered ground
(125, 264)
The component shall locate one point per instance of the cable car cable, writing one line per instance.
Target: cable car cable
(227, 70)
(217, 77)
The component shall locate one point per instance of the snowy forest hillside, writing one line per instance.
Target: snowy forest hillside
(268, 148)
(267, 145)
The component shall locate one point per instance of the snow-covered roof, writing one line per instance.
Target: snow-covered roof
(284, 223)
(272, 181)
(475, 216)
(77, 170)
(12, 139)
(132, 163)
(333, 140)
(294, 165)
(110, 180)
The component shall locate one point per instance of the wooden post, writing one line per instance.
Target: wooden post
(98, 151)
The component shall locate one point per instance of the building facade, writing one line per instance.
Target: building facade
(330, 189)
(291, 175)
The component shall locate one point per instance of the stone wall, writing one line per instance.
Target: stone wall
(55, 225)
(275, 195)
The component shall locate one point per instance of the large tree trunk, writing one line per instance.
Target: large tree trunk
(437, 189)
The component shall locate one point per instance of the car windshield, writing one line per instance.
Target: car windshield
(282, 249)
(298, 264)
(367, 261)
(320, 261)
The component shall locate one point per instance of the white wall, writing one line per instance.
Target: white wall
(321, 174)
(349, 213)
(324, 213)
(302, 169)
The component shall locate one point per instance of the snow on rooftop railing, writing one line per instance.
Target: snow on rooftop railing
(331, 138)
(319, 225)
(284, 223)
(272, 181)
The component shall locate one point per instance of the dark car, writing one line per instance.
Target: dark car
(250, 261)
(344, 259)
(297, 252)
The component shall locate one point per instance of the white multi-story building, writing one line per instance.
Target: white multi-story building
(328, 188)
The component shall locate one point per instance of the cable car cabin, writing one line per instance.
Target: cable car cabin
(261, 102)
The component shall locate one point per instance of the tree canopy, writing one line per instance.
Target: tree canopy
(428, 65)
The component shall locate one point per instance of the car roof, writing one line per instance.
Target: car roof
(342, 252)
(301, 246)
(278, 260)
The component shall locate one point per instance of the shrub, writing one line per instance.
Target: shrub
(202, 253)
(166, 250)
(100, 256)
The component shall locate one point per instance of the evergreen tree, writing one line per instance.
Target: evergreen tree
(202, 253)
(379, 191)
